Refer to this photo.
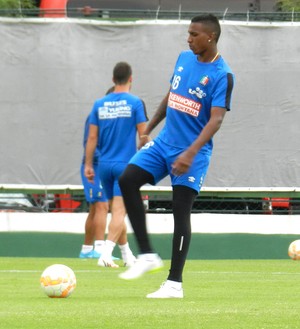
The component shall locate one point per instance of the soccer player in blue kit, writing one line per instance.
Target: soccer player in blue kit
(115, 121)
(194, 107)
(95, 223)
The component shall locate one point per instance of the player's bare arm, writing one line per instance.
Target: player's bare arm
(89, 153)
(182, 164)
(159, 115)
(143, 139)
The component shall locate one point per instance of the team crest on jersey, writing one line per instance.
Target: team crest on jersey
(204, 80)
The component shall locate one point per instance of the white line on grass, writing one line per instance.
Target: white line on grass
(36, 271)
(240, 272)
(197, 272)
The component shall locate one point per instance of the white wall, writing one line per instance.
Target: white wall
(156, 223)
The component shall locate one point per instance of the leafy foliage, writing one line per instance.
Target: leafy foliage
(288, 5)
(17, 4)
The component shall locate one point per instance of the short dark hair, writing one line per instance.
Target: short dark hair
(121, 73)
(211, 21)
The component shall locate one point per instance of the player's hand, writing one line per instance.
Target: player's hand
(89, 173)
(144, 139)
(182, 164)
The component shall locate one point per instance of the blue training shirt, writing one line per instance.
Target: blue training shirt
(195, 88)
(116, 116)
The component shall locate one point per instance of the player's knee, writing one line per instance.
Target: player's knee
(133, 177)
(126, 180)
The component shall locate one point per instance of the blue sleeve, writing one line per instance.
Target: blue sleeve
(171, 80)
(223, 91)
(141, 114)
(86, 131)
(93, 118)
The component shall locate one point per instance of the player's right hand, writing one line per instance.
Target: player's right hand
(144, 139)
(89, 173)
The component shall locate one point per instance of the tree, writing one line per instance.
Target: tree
(288, 5)
(17, 4)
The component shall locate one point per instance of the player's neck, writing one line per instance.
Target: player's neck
(209, 56)
(122, 88)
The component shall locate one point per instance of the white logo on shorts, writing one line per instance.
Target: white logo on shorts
(201, 181)
(149, 144)
(191, 179)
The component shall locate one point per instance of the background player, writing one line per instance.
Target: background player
(114, 122)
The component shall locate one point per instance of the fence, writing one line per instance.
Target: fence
(63, 198)
(130, 14)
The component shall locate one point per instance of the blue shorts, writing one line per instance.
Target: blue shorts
(109, 174)
(157, 157)
(93, 192)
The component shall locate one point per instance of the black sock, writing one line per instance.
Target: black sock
(183, 199)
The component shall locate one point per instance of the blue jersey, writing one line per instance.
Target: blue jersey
(116, 116)
(195, 88)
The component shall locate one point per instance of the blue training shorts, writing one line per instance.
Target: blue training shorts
(93, 192)
(109, 174)
(157, 157)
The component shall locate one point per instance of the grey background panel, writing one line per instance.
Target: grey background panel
(52, 72)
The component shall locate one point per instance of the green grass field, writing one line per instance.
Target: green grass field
(219, 294)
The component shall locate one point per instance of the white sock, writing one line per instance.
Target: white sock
(98, 245)
(126, 252)
(108, 248)
(175, 284)
(124, 247)
(86, 248)
(149, 256)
